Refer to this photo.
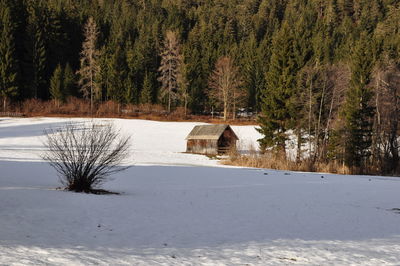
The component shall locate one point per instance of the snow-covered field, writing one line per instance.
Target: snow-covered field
(183, 209)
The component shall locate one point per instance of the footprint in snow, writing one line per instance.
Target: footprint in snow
(395, 210)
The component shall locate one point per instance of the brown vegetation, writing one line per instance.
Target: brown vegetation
(89, 65)
(76, 107)
(170, 66)
(270, 160)
(225, 85)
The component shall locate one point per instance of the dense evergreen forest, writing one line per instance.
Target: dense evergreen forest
(326, 70)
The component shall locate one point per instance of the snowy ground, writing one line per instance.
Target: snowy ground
(183, 209)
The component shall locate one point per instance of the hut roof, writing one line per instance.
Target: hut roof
(209, 132)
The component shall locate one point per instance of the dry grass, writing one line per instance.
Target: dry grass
(273, 161)
(76, 107)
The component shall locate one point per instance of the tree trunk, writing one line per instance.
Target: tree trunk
(91, 94)
(326, 135)
(225, 110)
(186, 106)
(234, 110)
(4, 103)
(299, 144)
(309, 121)
(317, 148)
(169, 101)
(169, 87)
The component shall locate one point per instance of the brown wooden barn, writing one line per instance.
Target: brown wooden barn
(211, 139)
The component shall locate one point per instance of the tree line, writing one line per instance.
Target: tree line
(327, 71)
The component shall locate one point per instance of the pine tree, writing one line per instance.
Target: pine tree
(194, 77)
(141, 57)
(147, 90)
(18, 14)
(253, 72)
(117, 75)
(103, 76)
(347, 7)
(8, 63)
(128, 96)
(38, 51)
(358, 111)
(39, 64)
(132, 83)
(69, 81)
(276, 102)
(332, 18)
(57, 85)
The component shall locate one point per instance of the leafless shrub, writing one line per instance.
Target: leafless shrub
(85, 157)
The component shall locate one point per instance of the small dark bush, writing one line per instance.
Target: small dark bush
(85, 155)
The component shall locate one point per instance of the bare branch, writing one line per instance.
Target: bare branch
(84, 157)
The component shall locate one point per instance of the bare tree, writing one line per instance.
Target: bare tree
(171, 61)
(89, 65)
(318, 101)
(386, 81)
(336, 82)
(225, 83)
(85, 157)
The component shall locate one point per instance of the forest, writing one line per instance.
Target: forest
(325, 71)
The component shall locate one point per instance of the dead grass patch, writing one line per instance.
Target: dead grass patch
(77, 107)
(273, 161)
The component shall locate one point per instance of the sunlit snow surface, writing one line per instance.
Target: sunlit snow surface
(183, 209)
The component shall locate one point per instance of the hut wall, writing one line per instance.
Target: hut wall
(202, 146)
(229, 135)
(226, 142)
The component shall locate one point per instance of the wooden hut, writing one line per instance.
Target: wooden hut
(211, 139)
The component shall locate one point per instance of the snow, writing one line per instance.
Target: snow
(153, 143)
(183, 209)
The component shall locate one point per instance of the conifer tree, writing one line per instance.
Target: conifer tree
(129, 96)
(37, 50)
(132, 91)
(141, 57)
(332, 17)
(8, 63)
(358, 111)
(253, 72)
(147, 90)
(347, 7)
(194, 78)
(57, 88)
(276, 102)
(117, 75)
(69, 81)
(39, 63)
